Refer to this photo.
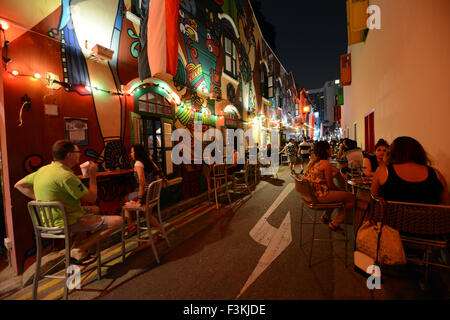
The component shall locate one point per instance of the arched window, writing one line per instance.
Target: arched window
(279, 93)
(229, 53)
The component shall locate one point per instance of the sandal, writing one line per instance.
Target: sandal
(84, 261)
(333, 228)
(325, 219)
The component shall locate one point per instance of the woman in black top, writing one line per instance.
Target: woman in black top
(372, 162)
(408, 176)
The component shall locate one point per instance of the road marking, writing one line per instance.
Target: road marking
(275, 239)
(262, 232)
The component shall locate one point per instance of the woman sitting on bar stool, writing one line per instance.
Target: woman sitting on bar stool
(372, 162)
(144, 173)
(320, 173)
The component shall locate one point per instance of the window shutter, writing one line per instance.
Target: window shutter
(135, 128)
(340, 96)
(346, 69)
(356, 20)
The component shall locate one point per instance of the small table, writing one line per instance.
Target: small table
(112, 185)
(360, 183)
(361, 189)
(108, 174)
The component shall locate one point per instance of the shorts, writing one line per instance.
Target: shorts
(292, 159)
(133, 196)
(90, 223)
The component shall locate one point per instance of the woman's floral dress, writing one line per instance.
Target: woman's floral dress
(316, 178)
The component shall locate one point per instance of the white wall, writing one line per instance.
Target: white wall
(403, 72)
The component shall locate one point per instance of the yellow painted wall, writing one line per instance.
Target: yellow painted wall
(403, 72)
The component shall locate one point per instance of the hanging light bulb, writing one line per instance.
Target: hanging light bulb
(37, 76)
(4, 25)
(15, 73)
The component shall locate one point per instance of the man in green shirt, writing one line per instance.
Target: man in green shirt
(57, 182)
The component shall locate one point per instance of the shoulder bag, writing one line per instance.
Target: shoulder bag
(380, 242)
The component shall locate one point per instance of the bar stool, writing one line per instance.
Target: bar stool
(44, 228)
(220, 176)
(309, 200)
(152, 200)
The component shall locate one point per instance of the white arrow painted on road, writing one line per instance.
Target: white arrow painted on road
(275, 239)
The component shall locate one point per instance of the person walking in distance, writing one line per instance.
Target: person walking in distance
(291, 151)
(304, 153)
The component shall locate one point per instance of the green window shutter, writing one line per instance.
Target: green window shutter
(340, 96)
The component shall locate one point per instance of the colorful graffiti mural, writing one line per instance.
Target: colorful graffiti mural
(88, 87)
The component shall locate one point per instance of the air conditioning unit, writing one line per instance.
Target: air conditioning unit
(102, 53)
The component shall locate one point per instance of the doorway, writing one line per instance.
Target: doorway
(369, 132)
(152, 139)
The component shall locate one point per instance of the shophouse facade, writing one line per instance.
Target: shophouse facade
(78, 71)
(398, 77)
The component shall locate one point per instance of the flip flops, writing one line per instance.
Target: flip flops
(84, 261)
(333, 228)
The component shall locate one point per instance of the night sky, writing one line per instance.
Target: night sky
(310, 37)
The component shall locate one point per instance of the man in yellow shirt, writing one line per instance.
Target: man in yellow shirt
(57, 182)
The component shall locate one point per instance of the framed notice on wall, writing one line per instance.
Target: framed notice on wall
(76, 130)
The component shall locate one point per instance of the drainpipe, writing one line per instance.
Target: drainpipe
(6, 190)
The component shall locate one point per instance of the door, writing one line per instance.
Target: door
(152, 133)
(369, 131)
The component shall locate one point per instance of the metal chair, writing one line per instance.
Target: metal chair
(44, 228)
(207, 173)
(240, 179)
(152, 200)
(417, 223)
(220, 176)
(309, 200)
